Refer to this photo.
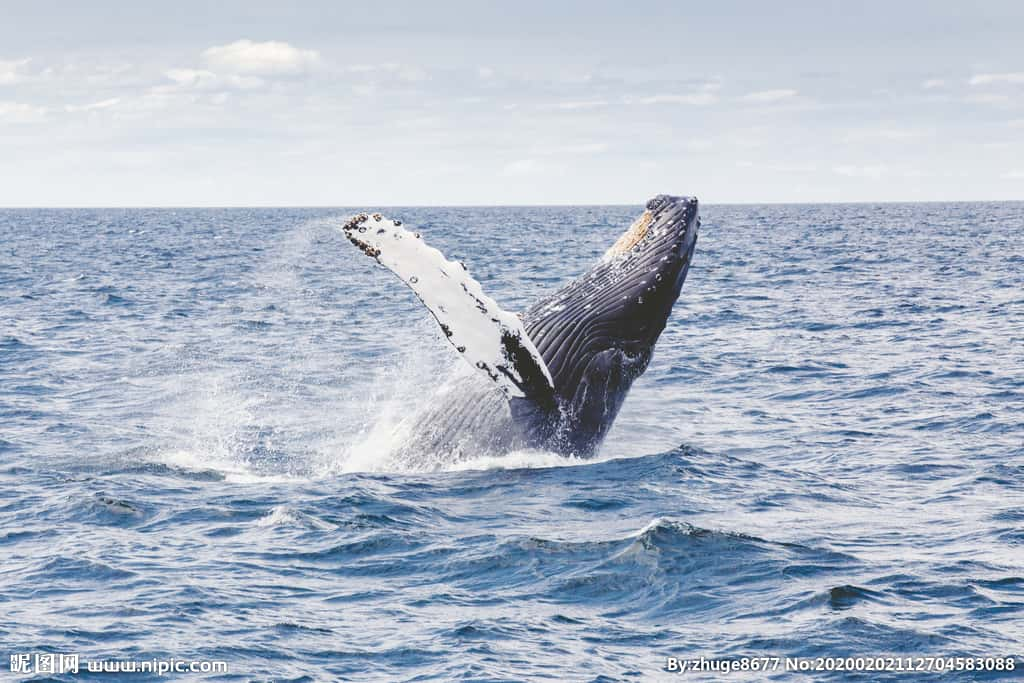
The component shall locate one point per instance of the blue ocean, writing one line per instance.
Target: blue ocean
(825, 457)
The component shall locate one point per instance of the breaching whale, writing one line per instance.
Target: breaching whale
(557, 374)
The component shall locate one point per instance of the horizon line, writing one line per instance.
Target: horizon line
(66, 207)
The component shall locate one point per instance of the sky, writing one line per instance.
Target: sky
(331, 103)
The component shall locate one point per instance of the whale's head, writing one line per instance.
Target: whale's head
(597, 334)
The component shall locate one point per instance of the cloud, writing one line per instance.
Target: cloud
(485, 72)
(583, 148)
(402, 72)
(11, 71)
(697, 145)
(551, 161)
(699, 99)
(993, 79)
(1015, 174)
(873, 172)
(581, 104)
(779, 168)
(366, 68)
(103, 104)
(889, 134)
(271, 58)
(766, 96)
(522, 167)
(112, 75)
(586, 148)
(933, 83)
(203, 80)
(988, 98)
(19, 112)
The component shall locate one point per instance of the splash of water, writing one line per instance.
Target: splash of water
(309, 413)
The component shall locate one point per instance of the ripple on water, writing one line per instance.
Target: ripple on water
(197, 407)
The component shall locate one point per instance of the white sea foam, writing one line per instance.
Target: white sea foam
(524, 459)
(234, 470)
(283, 515)
(308, 414)
(217, 424)
(278, 515)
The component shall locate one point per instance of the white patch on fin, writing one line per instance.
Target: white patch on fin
(489, 338)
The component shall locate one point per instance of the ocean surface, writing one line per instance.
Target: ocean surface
(197, 414)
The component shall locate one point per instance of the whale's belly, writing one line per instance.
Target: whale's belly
(463, 420)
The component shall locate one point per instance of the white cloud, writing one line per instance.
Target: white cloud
(103, 104)
(1016, 123)
(766, 96)
(522, 167)
(697, 145)
(192, 78)
(411, 74)
(367, 68)
(933, 83)
(991, 79)
(587, 148)
(698, 99)
(873, 172)
(583, 148)
(485, 72)
(19, 112)
(201, 79)
(581, 104)
(889, 134)
(1015, 174)
(988, 98)
(271, 58)
(112, 74)
(393, 69)
(11, 71)
(779, 168)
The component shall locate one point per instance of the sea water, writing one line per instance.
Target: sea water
(198, 410)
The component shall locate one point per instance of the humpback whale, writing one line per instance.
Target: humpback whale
(557, 374)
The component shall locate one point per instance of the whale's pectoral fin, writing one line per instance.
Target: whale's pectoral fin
(491, 339)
